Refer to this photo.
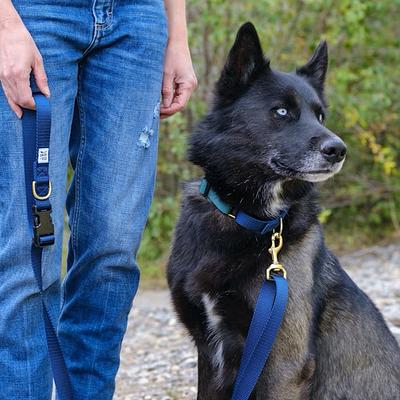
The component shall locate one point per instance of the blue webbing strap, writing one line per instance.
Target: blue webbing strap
(243, 219)
(267, 317)
(36, 136)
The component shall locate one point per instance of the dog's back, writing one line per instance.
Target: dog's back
(261, 147)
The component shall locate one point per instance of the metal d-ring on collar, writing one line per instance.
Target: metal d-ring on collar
(241, 218)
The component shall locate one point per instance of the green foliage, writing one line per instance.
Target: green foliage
(362, 90)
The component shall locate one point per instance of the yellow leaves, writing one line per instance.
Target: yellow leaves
(382, 155)
(324, 215)
(351, 117)
(389, 167)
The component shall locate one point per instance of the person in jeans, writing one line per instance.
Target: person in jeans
(103, 64)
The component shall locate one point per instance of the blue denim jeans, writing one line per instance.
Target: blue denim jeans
(104, 62)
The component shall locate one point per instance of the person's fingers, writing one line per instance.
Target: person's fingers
(10, 94)
(178, 103)
(24, 96)
(181, 97)
(167, 89)
(14, 107)
(40, 75)
(16, 84)
(164, 116)
(8, 81)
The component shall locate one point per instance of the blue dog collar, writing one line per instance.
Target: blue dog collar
(243, 219)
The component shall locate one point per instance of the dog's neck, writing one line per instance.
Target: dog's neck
(266, 200)
(262, 200)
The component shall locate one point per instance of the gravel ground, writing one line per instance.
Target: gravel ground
(158, 359)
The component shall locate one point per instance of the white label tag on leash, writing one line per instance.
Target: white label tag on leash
(43, 155)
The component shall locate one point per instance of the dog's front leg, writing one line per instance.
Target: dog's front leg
(206, 389)
(218, 364)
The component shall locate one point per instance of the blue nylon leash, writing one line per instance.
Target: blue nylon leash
(271, 301)
(264, 327)
(36, 126)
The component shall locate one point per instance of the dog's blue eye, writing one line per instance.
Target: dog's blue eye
(282, 111)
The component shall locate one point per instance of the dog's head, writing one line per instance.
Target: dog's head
(269, 122)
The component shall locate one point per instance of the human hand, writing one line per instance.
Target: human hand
(19, 56)
(179, 79)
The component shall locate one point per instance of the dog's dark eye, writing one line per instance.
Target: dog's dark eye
(282, 111)
(321, 117)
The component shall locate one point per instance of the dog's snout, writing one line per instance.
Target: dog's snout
(333, 150)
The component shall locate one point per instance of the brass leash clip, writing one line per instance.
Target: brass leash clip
(276, 246)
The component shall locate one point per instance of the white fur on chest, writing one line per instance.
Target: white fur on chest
(215, 335)
(276, 204)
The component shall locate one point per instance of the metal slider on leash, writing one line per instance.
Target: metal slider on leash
(276, 246)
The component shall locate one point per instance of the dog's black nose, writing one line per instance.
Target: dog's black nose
(334, 150)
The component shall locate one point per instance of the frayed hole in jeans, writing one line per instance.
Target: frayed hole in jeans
(147, 133)
(144, 137)
(156, 111)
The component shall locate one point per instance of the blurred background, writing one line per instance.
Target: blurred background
(361, 205)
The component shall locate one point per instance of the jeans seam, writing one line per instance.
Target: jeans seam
(78, 168)
(95, 37)
(93, 42)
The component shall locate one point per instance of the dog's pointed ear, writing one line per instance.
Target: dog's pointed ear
(244, 61)
(316, 67)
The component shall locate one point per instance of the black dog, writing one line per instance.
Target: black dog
(262, 146)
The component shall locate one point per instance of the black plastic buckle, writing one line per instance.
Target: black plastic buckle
(42, 227)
